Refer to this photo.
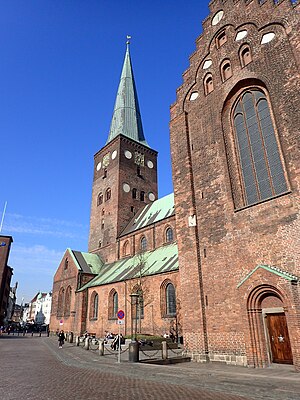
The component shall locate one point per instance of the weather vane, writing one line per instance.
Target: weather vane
(128, 37)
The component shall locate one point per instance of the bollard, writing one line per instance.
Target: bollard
(101, 347)
(32, 333)
(40, 334)
(134, 352)
(71, 336)
(164, 349)
(77, 340)
(87, 343)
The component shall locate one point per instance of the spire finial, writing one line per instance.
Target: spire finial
(128, 37)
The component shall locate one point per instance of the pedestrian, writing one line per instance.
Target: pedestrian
(115, 343)
(61, 339)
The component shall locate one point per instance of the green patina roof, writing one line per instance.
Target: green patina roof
(151, 213)
(126, 118)
(87, 262)
(274, 270)
(163, 259)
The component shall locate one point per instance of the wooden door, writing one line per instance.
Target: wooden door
(279, 339)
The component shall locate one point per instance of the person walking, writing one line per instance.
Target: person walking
(61, 339)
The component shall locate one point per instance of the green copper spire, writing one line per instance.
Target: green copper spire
(126, 118)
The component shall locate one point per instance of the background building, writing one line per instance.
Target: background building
(6, 273)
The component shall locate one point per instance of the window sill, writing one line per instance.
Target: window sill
(93, 319)
(262, 201)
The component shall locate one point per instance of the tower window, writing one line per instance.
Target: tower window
(104, 173)
(221, 39)
(100, 243)
(226, 71)
(142, 196)
(257, 147)
(126, 248)
(134, 193)
(245, 56)
(208, 84)
(103, 212)
(99, 199)
(108, 194)
(102, 224)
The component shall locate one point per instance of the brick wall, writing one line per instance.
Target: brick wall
(230, 240)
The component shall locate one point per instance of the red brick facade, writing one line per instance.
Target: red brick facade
(5, 275)
(225, 313)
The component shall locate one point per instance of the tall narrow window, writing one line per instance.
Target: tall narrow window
(169, 235)
(222, 38)
(126, 249)
(60, 302)
(245, 55)
(208, 84)
(100, 199)
(226, 71)
(170, 299)
(67, 305)
(115, 304)
(142, 196)
(108, 194)
(134, 193)
(94, 305)
(260, 163)
(143, 244)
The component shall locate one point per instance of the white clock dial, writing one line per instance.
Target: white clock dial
(150, 164)
(128, 154)
(126, 187)
(114, 154)
(98, 166)
(151, 196)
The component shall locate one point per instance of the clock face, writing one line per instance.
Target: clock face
(128, 154)
(139, 158)
(105, 160)
(217, 18)
(114, 154)
(150, 164)
(98, 166)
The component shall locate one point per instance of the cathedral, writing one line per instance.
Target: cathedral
(217, 263)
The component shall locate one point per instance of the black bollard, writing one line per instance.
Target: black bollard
(134, 352)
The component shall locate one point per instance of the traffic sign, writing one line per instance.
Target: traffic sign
(120, 314)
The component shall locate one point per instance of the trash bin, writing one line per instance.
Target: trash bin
(134, 352)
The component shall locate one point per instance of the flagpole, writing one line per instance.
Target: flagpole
(3, 216)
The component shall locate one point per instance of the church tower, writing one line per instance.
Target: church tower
(125, 171)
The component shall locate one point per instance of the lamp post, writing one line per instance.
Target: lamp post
(134, 304)
(134, 345)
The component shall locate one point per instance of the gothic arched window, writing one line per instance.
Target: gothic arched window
(208, 84)
(99, 199)
(169, 235)
(60, 302)
(143, 244)
(134, 193)
(113, 304)
(67, 306)
(94, 305)
(108, 194)
(259, 158)
(226, 71)
(126, 248)
(245, 55)
(170, 299)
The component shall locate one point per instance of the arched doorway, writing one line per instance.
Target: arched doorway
(268, 327)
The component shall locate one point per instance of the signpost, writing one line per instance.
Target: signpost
(120, 315)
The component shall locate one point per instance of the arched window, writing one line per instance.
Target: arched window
(99, 199)
(226, 71)
(143, 244)
(260, 163)
(169, 235)
(245, 55)
(60, 302)
(208, 84)
(126, 248)
(67, 306)
(100, 243)
(104, 173)
(107, 194)
(170, 299)
(134, 193)
(113, 304)
(94, 306)
(221, 39)
(142, 196)
(66, 263)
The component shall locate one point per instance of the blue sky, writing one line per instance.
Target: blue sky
(59, 72)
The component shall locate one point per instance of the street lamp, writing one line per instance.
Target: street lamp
(134, 306)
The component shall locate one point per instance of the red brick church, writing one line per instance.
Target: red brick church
(219, 261)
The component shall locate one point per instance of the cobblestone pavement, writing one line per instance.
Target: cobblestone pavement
(35, 368)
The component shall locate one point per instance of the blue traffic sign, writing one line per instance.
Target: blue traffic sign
(121, 314)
